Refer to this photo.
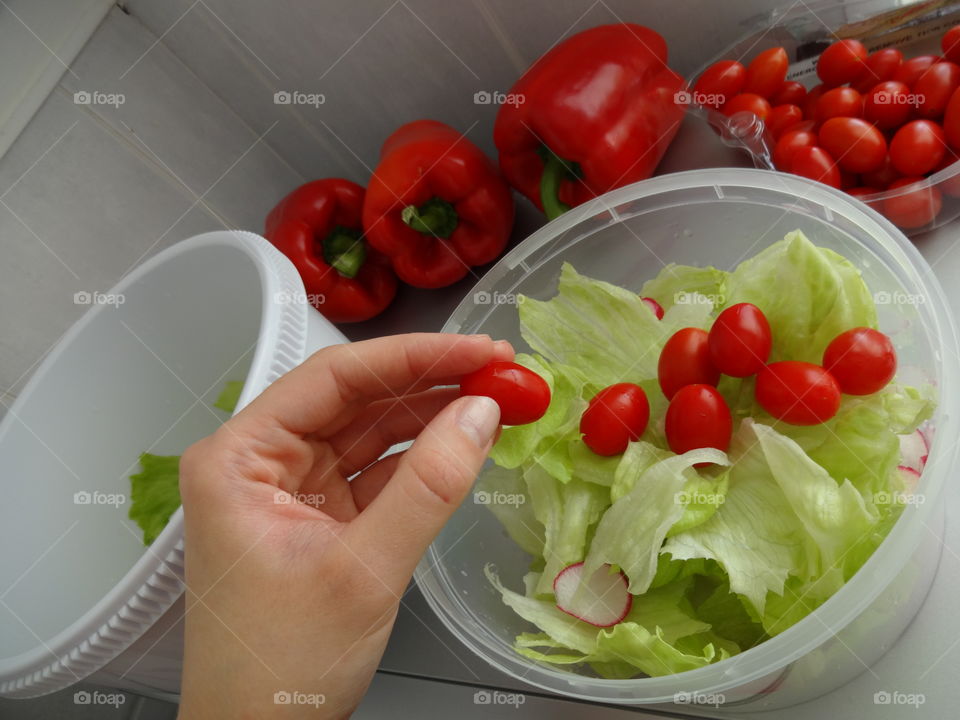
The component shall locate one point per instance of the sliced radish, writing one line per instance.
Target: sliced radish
(605, 600)
(910, 478)
(655, 306)
(913, 450)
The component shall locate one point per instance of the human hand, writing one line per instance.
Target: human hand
(295, 564)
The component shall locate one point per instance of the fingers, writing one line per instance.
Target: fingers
(384, 423)
(318, 395)
(430, 481)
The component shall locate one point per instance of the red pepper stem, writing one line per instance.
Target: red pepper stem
(344, 250)
(435, 217)
(554, 171)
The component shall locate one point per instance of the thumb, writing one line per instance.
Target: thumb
(431, 480)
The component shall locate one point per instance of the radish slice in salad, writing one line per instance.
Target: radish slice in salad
(605, 600)
(910, 478)
(913, 451)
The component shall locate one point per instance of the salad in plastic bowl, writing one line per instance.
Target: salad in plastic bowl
(707, 525)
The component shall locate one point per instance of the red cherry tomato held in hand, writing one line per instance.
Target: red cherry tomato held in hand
(790, 93)
(912, 208)
(782, 118)
(767, 72)
(879, 66)
(656, 307)
(813, 97)
(788, 144)
(950, 44)
(842, 62)
(720, 82)
(862, 361)
(882, 176)
(740, 340)
(799, 393)
(917, 147)
(888, 104)
(817, 164)
(523, 396)
(858, 146)
(747, 102)
(839, 102)
(935, 87)
(913, 68)
(698, 417)
(615, 416)
(685, 360)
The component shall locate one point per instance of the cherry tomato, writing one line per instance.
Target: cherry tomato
(951, 184)
(615, 416)
(523, 396)
(656, 307)
(719, 82)
(879, 66)
(813, 97)
(857, 145)
(698, 417)
(861, 192)
(842, 62)
(882, 176)
(782, 118)
(917, 147)
(934, 88)
(888, 104)
(747, 102)
(862, 361)
(685, 360)
(912, 208)
(740, 340)
(799, 393)
(913, 68)
(950, 44)
(767, 72)
(838, 102)
(790, 93)
(788, 144)
(951, 120)
(847, 178)
(817, 164)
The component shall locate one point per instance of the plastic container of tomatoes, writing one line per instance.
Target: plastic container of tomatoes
(717, 217)
(915, 203)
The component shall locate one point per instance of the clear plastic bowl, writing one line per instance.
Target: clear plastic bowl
(804, 30)
(717, 217)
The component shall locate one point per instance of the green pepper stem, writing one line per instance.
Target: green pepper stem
(554, 170)
(344, 250)
(435, 217)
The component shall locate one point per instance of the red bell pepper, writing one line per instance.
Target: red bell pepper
(318, 227)
(436, 205)
(594, 113)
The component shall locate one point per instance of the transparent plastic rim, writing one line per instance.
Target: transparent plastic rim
(774, 654)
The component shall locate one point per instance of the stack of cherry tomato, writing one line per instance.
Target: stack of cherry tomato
(876, 122)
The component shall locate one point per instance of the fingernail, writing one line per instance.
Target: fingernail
(479, 418)
(502, 346)
(481, 335)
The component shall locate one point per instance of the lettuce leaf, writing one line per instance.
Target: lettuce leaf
(155, 493)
